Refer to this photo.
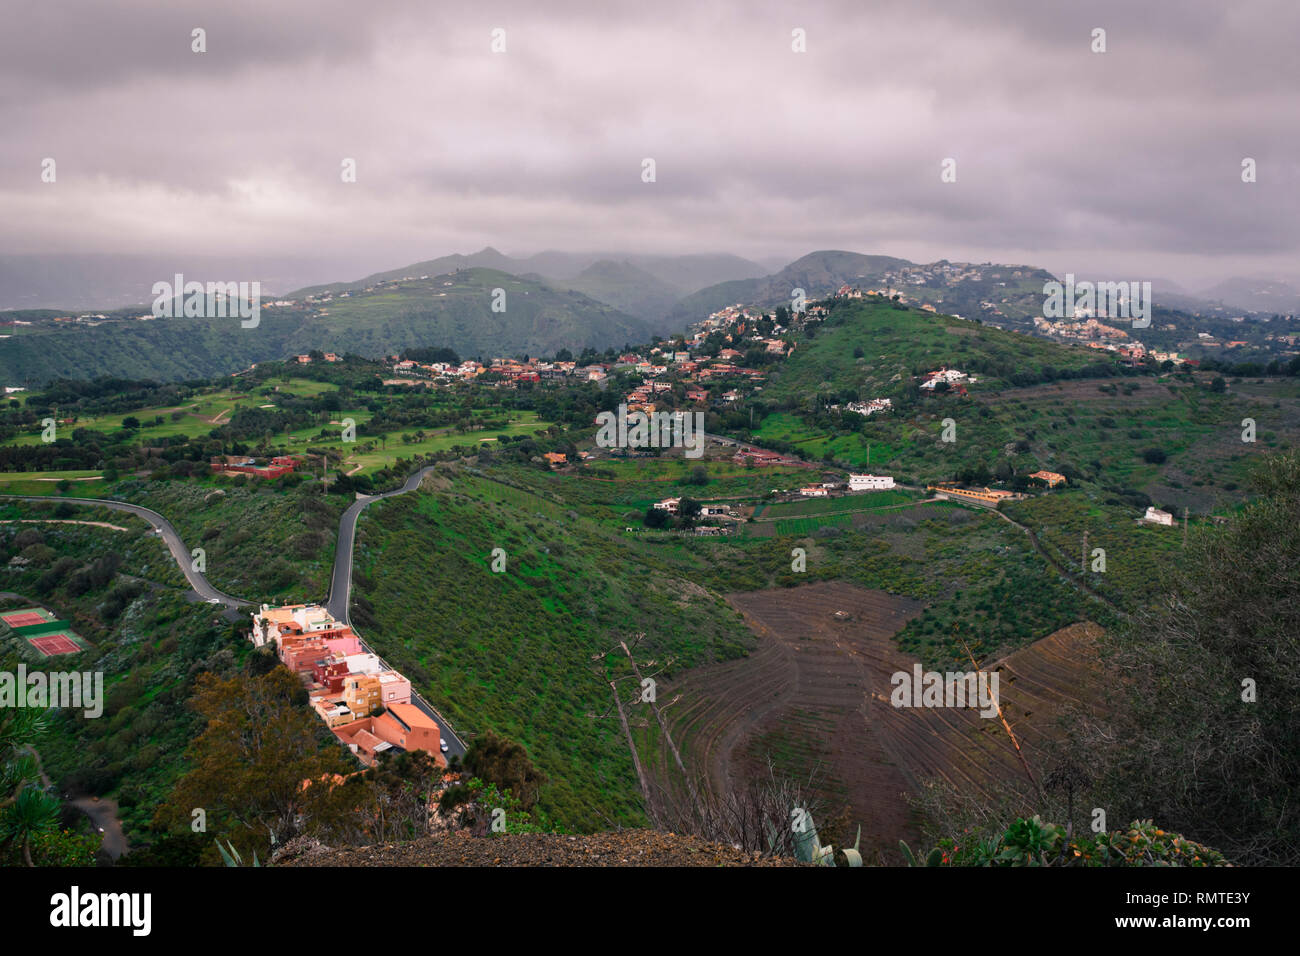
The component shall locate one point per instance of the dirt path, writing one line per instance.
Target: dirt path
(102, 814)
(94, 524)
(1060, 568)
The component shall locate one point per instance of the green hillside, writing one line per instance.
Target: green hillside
(873, 346)
(451, 309)
(629, 289)
(513, 652)
(1130, 438)
(456, 310)
(818, 274)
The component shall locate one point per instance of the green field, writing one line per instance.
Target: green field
(83, 483)
(197, 415)
(846, 504)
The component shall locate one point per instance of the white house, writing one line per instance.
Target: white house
(668, 504)
(870, 482)
(814, 491)
(950, 375)
(1156, 516)
(875, 405)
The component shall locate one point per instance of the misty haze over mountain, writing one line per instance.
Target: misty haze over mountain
(777, 155)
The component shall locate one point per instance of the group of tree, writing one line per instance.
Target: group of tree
(264, 770)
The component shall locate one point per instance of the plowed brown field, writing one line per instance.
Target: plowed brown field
(815, 693)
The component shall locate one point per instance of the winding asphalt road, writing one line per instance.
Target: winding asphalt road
(339, 601)
(340, 581)
(161, 526)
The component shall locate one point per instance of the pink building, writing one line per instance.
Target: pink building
(345, 645)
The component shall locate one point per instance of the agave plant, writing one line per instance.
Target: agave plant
(934, 859)
(232, 858)
(809, 849)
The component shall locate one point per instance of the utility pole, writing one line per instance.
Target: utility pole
(1085, 552)
(1184, 528)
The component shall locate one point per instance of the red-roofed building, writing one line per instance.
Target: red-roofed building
(400, 727)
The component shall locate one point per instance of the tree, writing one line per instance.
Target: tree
(26, 810)
(505, 763)
(250, 761)
(1218, 385)
(33, 813)
(130, 423)
(655, 517)
(1202, 735)
(688, 509)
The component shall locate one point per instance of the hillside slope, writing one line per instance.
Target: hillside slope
(453, 310)
(872, 346)
(627, 288)
(817, 273)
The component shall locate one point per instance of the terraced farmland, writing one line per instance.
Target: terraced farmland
(814, 698)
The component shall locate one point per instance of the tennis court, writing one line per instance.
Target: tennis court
(26, 617)
(51, 645)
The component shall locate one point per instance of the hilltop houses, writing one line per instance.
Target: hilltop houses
(401, 727)
(868, 407)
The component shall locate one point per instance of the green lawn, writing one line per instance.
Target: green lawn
(46, 483)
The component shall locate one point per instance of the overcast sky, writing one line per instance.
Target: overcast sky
(1125, 163)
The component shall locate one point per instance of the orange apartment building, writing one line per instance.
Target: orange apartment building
(401, 727)
(363, 694)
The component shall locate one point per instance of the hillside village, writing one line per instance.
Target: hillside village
(699, 370)
(366, 704)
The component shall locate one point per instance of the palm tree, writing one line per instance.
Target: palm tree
(25, 809)
(32, 813)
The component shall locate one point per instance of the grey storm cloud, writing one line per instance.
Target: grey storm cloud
(1065, 158)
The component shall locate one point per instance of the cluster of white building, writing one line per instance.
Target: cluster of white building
(869, 407)
(951, 376)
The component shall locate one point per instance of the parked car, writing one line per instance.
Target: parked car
(442, 744)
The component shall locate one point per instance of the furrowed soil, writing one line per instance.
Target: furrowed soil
(814, 699)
